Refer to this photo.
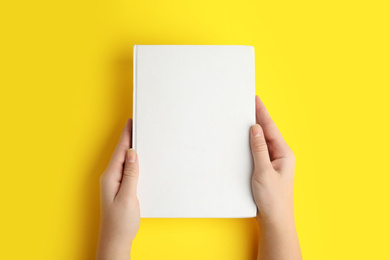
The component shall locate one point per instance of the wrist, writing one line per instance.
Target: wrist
(108, 250)
(281, 221)
(113, 247)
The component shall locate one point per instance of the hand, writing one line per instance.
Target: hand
(273, 175)
(273, 188)
(120, 214)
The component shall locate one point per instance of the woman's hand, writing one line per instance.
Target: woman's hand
(273, 189)
(120, 214)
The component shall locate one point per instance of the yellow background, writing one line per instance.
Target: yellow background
(322, 69)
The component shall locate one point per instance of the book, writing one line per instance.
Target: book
(193, 109)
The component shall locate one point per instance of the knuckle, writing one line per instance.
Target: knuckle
(130, 172)
(257, 179)
(260, 176)
(260, 146)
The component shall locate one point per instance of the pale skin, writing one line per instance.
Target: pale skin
(272, 188)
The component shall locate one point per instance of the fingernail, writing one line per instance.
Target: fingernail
(256, 130)
(131, 154)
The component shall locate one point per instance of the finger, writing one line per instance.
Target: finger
(118, 157)
(130, 175)
(110, 179)
(278, 148)
(259, 149)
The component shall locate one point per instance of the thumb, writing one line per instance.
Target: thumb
(259, 149)
(130, 174)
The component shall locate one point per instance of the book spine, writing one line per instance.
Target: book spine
(134, 123)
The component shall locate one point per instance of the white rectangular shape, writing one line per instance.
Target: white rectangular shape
(192, 112)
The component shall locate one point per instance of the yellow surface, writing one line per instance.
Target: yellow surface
(322, 69)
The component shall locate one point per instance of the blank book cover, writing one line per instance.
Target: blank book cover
(192, 112)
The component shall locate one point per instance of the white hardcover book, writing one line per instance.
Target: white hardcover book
(193, 109)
